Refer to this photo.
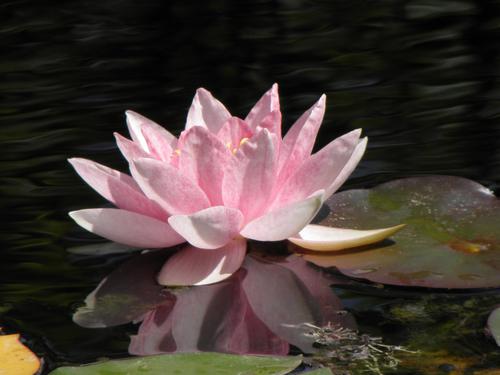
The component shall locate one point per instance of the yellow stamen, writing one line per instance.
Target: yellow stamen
(177, 151)
(243, 141)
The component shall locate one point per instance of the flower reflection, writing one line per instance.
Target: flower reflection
(261, 309)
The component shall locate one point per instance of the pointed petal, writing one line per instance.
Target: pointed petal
(210, 228)
(319, 171)
(284, 222)
(127, 227)
(118, 188)
(207, 111)
(299, 141)
(193, 266)
(348, 168)
(233, 132)
(268, 104)
(149, 135)
(202, 159)
(321, 238)
(130, 149)
(250, 176)
(167, 186)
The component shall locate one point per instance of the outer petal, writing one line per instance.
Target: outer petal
(119, 188)
(130, 149)
(299, 140)
(207, 111)
(149, 135)
(192, 266)
(202, 159)
(348, 168)
(322, 238)
(268, 109)
(210, 228)
(167, 186)
(319, 171)
(250, 176)
(127, 227)
(284, 222)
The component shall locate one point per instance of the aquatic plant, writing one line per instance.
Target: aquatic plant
(222, 181)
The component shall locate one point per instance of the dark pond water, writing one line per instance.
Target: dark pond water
(422, 78)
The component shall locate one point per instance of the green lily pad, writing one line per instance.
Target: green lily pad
(187, 364)
(452, 238)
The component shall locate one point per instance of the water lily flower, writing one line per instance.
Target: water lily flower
(224, 180)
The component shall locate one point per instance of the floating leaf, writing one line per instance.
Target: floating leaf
(494, 325)
(452, 239)
(188, 364)
(319, 371)
(15, 358)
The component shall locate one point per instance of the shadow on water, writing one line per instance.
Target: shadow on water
(420, 77)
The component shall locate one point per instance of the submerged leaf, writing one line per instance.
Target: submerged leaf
(15, 358)
(451, 240)
(188, 364)
(126, 294)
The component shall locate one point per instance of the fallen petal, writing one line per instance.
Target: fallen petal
(210, 228)
(192, 266)
(322, 238)
(127, 227)
(285, 221)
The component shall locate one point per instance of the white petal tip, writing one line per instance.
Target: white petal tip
(322, 238)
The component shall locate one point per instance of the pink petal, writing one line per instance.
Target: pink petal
(250, 176)
(127, 227)
(167, 186)
(348, 168)
(193, 266)
(233, 132)
(202, 159)
(259, 115)
(210, 228)
(207, 111)
(285, 221)
(149, 135)
(299, 140)
(322, 238)
(119, 188)
(130, 149)
(319, 171)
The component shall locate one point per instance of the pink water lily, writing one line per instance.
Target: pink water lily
(222, 181)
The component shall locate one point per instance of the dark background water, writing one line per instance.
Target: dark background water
(422, 78)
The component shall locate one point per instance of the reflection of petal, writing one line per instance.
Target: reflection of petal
(209, 318)
(323, 238)
(126, 294)
(318, 284)
(193, 266)
(281, 301)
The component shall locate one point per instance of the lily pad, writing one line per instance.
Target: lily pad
(187, 364)
(494, 325)
(452, 238)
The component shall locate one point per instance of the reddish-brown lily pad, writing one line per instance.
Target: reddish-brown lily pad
(452, 237)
